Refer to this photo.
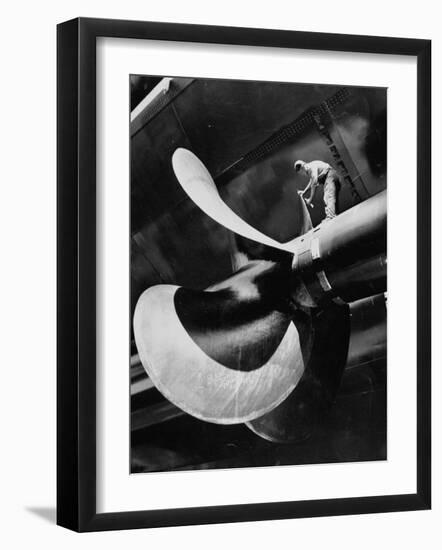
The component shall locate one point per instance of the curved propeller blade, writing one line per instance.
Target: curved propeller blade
(353, 335)
(296, 417)
(228, 354)
(198, 184)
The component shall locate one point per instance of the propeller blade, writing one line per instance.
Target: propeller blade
(228, 354)
(346, 335)
(296, 417)
(198, 184)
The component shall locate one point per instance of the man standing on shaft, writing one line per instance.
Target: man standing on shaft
(320, 173)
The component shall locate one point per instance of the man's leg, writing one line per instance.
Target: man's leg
(330, 196)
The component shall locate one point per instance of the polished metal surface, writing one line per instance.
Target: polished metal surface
(235, 354)
(247, 135)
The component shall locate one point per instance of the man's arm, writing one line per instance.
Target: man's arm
(312, 185)
(307, 187)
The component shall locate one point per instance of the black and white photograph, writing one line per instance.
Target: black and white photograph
(219, 239)
(258, 273)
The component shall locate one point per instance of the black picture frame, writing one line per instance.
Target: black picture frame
(76, 274)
